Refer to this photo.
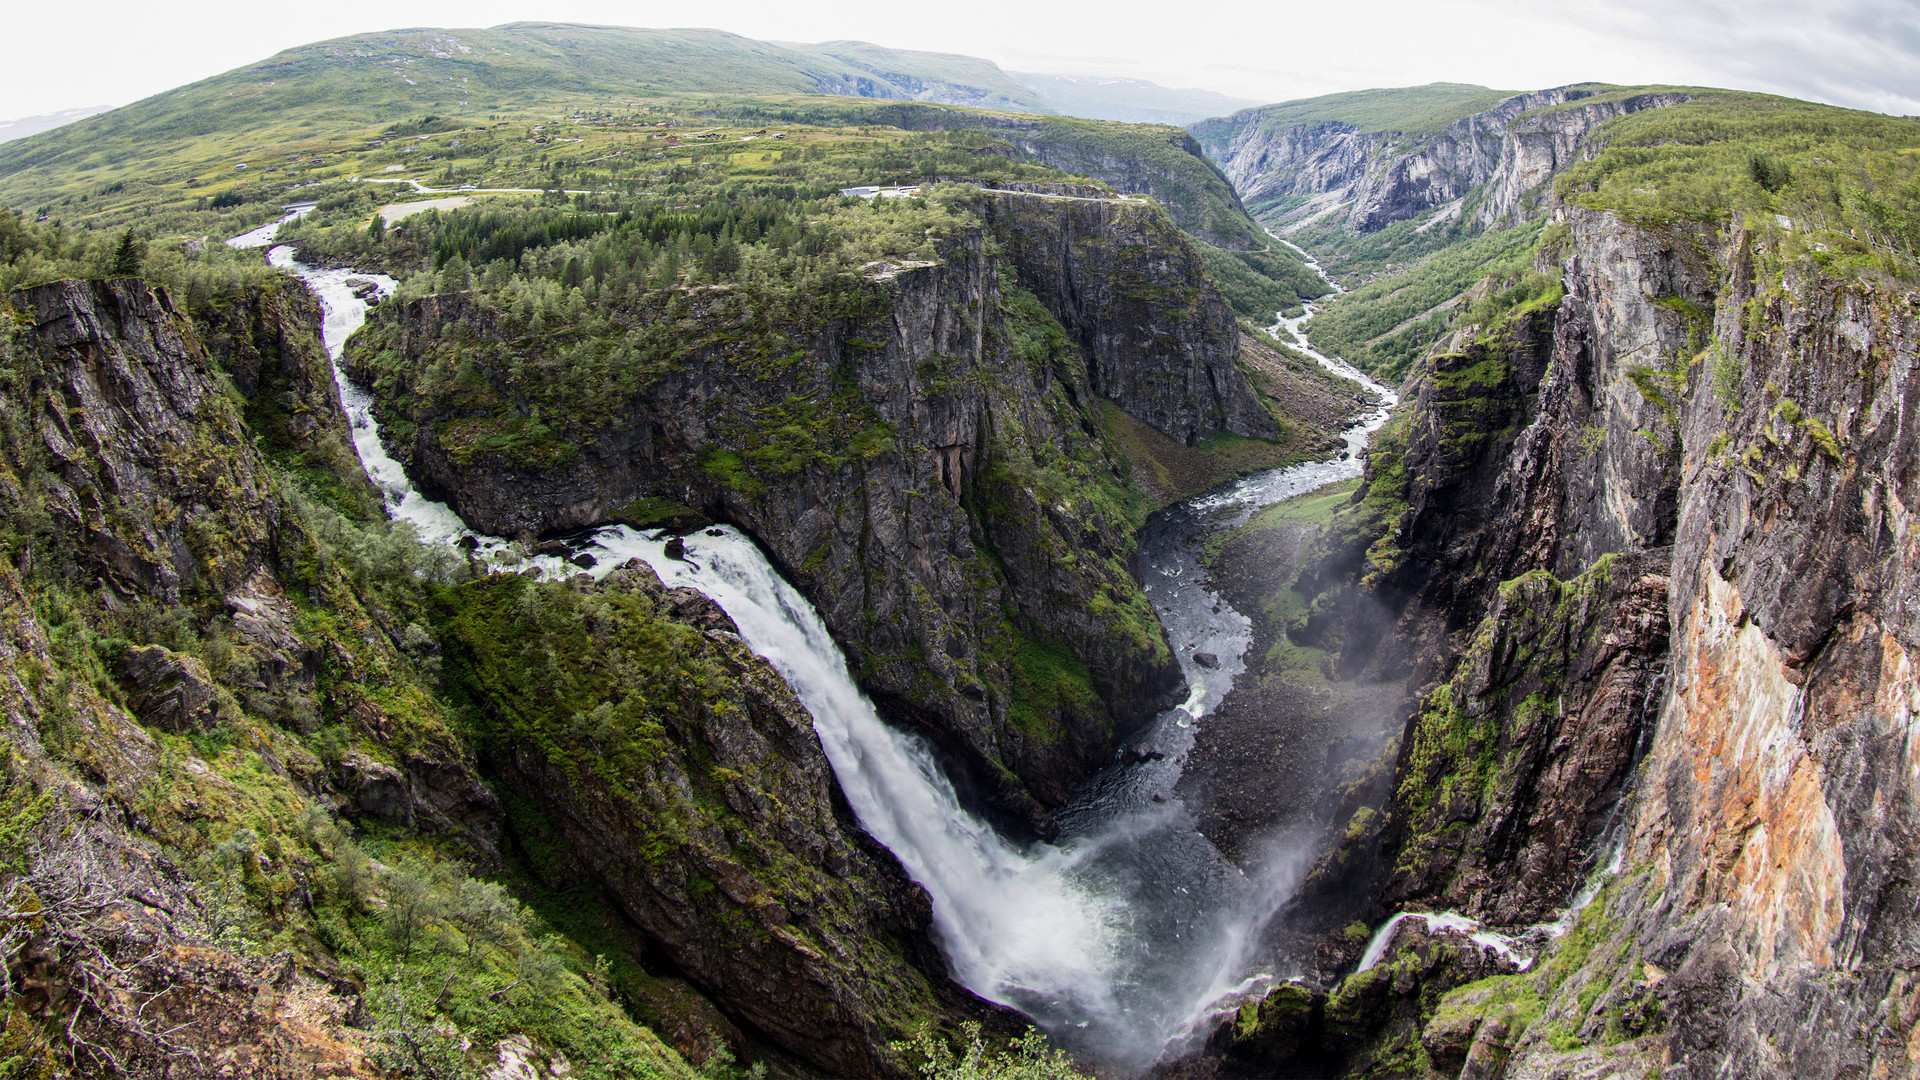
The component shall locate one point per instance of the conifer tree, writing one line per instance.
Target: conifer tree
(126, 257)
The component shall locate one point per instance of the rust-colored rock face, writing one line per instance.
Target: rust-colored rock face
(1734, 431)
(1747, 825)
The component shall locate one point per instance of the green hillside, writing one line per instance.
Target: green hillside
(607, 111)
(368, 81)
(1258, 275)
(1725, 153)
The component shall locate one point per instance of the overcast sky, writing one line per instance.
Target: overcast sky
(1862, 53)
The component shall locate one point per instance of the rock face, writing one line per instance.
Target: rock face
(1777, 818)
(267, 340)
(718, 829)
(924, 456)
(146, 469)
(141, 450)
(1388, 176)
(1685, 525)
(1530, 744)
(1159, 341)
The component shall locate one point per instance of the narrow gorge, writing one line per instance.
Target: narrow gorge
(1130, 934)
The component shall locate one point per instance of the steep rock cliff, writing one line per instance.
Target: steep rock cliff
(655, 753)
(125, 450)
(267, 341)
(1768, 862)
(922, 452)
(1506, 558)
(141, 448)
(1722, 431)
(1381, 177)
(167, 814)
(1160, 343)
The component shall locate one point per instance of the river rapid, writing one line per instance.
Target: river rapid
(1127, 937)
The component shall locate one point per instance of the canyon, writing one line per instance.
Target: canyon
(673, 660)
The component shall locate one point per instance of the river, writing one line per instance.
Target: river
(1126, 937)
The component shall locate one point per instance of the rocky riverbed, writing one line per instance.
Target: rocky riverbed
(1275, 756)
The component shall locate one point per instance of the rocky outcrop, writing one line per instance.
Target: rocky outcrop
(170, 691)
(1512, 772)
(268, 341)
(1381, 177)
(923, 454)
(1159, 341)
(1776, 824)
(1374, 1024)
(123, 449)
(713, 819)
(141, 451)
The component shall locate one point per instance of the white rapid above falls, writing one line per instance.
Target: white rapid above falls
(1123, 939)
(343, 311)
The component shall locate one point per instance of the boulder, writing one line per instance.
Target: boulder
(171, 691)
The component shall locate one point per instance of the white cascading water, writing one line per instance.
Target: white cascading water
(1126, 937)
(1009, 920)
(343, 311)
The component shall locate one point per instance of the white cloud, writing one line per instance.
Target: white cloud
(1863, 53)
(1859, 53)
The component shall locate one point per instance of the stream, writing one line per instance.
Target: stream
(1127, 937)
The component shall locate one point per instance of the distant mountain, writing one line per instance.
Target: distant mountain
(30, 125)
(923, 76)
(459, 75)
(380, 78)
(1406, 109)
(1105, 97)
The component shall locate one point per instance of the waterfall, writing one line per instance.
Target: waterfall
(1122, 940)
(1018, 926)
(1012, 923)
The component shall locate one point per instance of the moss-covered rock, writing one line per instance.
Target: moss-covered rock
(676, 768)
(268, 876)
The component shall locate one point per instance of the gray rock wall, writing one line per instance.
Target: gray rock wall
(1383, 177)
